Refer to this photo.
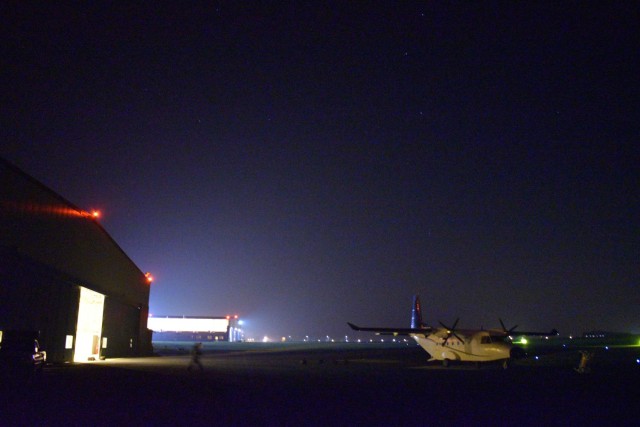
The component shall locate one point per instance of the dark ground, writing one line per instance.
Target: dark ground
(349, 384)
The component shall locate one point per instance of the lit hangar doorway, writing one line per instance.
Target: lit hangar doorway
(89, 329)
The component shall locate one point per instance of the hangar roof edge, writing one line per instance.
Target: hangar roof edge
(16, 169)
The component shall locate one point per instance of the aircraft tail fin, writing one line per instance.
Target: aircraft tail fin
(416, 313)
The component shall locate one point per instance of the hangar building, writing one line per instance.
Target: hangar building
(62, 274)
(191, 328)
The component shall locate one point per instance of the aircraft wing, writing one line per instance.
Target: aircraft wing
(552, 333)
(393, 331)
(516, 333)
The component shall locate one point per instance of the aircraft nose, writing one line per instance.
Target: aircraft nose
(517, 353)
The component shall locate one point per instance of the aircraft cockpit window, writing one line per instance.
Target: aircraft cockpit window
(485, 340)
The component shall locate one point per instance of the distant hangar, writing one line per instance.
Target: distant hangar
(62, 274)
(194, 328)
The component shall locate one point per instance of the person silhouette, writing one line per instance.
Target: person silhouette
(196, 352)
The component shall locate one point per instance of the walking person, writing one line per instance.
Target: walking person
(196, 352)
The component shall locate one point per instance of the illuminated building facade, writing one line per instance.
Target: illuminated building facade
(61, 274)
(197, 329)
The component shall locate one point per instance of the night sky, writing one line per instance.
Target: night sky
(305, 164)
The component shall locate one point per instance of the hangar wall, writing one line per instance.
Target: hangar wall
(50, 249)
(43, 308)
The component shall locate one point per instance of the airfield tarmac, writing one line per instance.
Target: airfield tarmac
(328, 384)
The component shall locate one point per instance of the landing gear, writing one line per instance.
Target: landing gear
(445, 363)
(505, 364)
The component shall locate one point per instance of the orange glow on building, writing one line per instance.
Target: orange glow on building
(33, 208)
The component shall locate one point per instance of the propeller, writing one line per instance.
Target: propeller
(508, 332)
(451, 331)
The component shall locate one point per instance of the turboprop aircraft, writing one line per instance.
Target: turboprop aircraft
(449, 344)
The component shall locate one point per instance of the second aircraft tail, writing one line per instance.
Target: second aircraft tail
(416, 314)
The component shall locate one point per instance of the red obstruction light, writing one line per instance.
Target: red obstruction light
(149, 277)
(94, 214)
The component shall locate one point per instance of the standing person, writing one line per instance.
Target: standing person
(196, 352)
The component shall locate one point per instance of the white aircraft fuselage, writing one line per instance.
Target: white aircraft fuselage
(477, 346)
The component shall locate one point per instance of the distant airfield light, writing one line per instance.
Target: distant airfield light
(536, 357)
(265, 339)
(606, 347)
(638, 361)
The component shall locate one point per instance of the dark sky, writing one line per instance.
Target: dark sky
(305, 164)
